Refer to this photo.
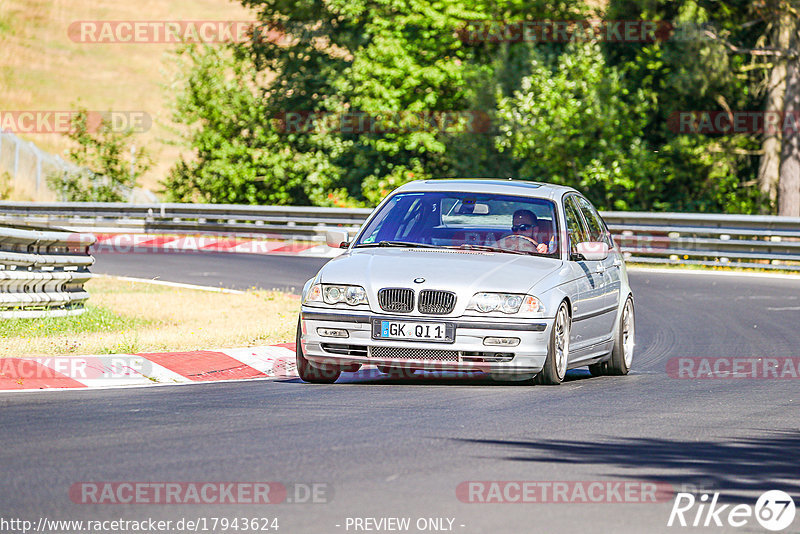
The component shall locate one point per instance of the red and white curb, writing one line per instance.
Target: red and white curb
(145, 243)
(163, 368)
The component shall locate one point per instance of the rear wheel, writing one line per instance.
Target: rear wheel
(312, 372)
(555, 365)
(622, 354)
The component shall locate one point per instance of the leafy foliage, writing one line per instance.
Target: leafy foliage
(240, 156)
(102, 153)
(589, 115)
(573, 122)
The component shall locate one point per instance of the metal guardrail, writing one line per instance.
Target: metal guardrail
(42, 271)
(767, 242)
(757, 241)
(272, 221)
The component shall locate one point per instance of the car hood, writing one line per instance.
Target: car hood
(465, 272)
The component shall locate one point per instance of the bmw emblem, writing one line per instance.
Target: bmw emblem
(419, 280)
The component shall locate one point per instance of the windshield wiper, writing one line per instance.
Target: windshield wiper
(396, 244)
(487, 248)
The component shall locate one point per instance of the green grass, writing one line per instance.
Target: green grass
(126, 317)
(94, 319)
(129, 344)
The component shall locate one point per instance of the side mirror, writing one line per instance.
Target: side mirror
(592, 250)
(335, 238)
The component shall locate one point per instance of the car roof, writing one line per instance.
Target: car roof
(488, 185)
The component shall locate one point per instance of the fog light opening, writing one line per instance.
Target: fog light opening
(332, 332)
(501, 341)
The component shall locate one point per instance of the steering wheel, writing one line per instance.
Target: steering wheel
(519, 242)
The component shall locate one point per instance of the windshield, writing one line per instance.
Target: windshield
(465, 220)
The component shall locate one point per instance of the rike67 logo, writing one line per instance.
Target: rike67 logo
(774, 510)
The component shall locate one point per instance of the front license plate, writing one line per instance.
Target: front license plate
(413, 331)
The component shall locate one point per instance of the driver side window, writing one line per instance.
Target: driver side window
(576, 232)
(597, 229)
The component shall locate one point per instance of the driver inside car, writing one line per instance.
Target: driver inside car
(526, 234)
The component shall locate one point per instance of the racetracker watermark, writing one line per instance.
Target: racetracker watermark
(77, 367)
(172, 31)
(733, 122)
(563, 492)
(470, 32)
(62, 122)
(739, 368)
(360, 122)
(774, 510)
(562, 31)
(208, 492)
(150, 525)
(188, 244)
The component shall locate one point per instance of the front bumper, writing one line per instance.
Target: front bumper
(466, 353)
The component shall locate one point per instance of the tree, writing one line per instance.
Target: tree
(689, 72)
(106, 174)
(238, 154)
(769, 167)
(401, 65)
(572, 122)
(271, 121)
(789, 186)
(765, 32)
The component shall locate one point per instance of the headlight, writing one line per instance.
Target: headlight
(487, 302)
(505, 303)
(334, 294)
(355, 295)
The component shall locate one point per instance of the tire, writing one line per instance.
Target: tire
(555, 365)
(310, 372)
(622, 354)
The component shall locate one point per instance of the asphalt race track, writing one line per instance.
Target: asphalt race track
(233, 271)
(400, 448)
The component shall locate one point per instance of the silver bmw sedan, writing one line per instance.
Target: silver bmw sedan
(518, 279)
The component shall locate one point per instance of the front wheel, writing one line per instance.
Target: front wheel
(555, 365)
(311, 372)
(622, 354)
